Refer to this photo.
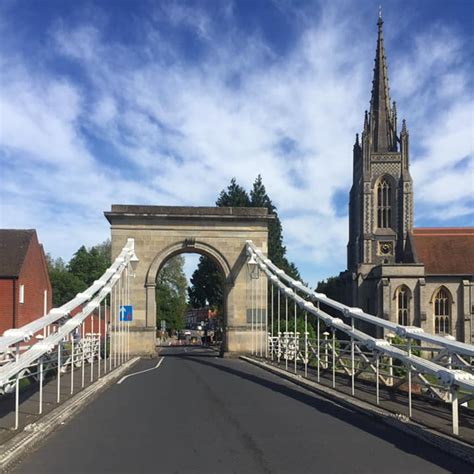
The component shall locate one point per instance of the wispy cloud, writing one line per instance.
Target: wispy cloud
(145, 124)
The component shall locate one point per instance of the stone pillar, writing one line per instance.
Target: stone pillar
(465, 305)
(422, 316)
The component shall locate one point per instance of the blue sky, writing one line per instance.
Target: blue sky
(153, 102)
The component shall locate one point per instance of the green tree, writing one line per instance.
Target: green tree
(234, 196)
(64, 284)
(276, 249)
(332, 287)
(207, 284)
(171, 285)
(83, 269)
(88, 265)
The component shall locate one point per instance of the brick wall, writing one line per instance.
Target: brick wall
(6, 304)
(34, 276)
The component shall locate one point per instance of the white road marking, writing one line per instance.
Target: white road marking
(141, 371)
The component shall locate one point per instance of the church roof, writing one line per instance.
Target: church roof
(444, 250)
(14, 244)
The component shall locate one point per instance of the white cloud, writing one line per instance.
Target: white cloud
(177, 131)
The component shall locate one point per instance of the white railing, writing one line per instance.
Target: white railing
(66, 340)
(447, 374)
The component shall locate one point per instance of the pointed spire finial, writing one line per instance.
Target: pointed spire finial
(380, 12)
(381, 117)
(357, 139)
(404, 126)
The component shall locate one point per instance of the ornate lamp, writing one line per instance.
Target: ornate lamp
(254, 270)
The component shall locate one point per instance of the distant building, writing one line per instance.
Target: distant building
(419, 277)
(25, 288)
(194, 316)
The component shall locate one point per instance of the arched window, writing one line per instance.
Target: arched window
(384, 204)
(442, 312)
(403, 305)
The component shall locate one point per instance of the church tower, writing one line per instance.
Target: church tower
(381, 197)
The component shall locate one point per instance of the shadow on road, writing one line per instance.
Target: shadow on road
(367, 423)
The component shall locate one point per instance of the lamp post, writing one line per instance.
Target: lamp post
(254, 274)
(254, 270)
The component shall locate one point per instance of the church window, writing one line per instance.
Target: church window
(442, 312)
(384, 204)
(403, 305)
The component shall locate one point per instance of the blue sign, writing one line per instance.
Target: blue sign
(126, 313)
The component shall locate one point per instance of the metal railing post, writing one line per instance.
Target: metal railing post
(83, 340)
(100, 340)
(58, 394)
(305, 344)
(352, 361)
(40, 411)
(286, 333)
(318, 344)
(409, 381)
(279, 327)
(377, 383)
(17, 389)
(72, 363)
(333, 357)
(252, 290)
(271, 325)
(455, 410)
(296, 343)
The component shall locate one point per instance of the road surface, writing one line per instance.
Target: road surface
(200, 413)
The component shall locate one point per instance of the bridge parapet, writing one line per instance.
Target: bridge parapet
(447, 374)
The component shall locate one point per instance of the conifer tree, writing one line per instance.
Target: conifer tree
(207, 281)
(276, 249)
(234, 196)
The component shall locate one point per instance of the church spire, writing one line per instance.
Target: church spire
(382, 126)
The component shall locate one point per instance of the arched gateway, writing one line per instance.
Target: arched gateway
(161, 232)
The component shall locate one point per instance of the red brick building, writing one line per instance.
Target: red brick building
(25, 288)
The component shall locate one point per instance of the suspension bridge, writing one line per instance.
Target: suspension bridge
(306, 382)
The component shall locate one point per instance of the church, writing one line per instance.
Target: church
(411, 276)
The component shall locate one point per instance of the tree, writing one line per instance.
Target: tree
(332, 287)
(207, 282)
(234, 196)
(83, 269)
(64, 284)
(207, 285)
(276, 249)
(88, 265)
(170, 293)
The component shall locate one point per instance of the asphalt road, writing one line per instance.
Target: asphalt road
(199, 413)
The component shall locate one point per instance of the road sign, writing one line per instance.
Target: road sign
(126, 313)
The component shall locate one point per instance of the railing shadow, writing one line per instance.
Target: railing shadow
(367, 423)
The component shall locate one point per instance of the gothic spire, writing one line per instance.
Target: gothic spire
(382, 127)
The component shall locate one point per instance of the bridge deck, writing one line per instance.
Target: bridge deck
(199, 413)
(429, 412)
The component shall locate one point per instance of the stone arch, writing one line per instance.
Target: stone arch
(186, 246)
(160, 232)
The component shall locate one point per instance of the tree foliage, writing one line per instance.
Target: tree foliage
(86, 266)
(207, 285)
(171, 285)
(234, 196)
(332, 287)
(207, 282)
(276, 249)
